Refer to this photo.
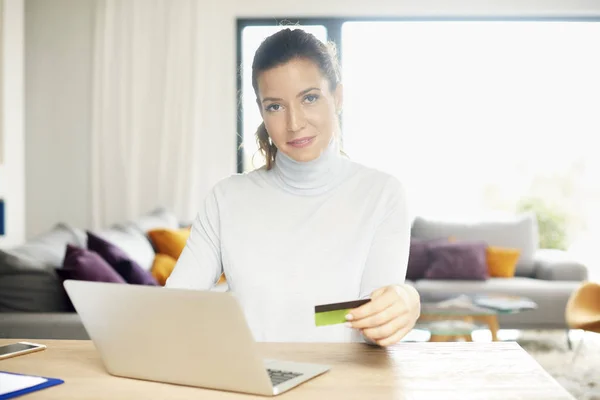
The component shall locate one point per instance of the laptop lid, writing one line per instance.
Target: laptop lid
(188, 337)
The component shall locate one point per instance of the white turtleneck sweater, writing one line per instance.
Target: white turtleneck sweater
(296, 236)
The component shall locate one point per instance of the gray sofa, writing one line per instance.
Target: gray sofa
(546, 276)
(33, 304)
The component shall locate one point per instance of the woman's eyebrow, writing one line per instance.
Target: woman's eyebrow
(271, 99)
(302, 93)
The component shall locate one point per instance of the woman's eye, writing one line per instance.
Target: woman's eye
(273, 107)
(311, 98)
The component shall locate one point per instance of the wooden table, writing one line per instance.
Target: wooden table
(406, 371)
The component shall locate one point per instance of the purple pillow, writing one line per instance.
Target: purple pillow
(464, 260)
(119, 261)
(85, 265)
(418, 257)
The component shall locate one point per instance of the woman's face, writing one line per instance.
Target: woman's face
(298, 108)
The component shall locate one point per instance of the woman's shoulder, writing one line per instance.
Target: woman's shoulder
(376, 179)
(383, 190)
(237, 182)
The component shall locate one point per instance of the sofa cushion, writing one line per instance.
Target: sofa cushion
(47, 325)
(502, 261)
(49, 247)
(163, 267)
(518, 232)
(169, 241)
(120, 261)
(28, 285)
(418, 257)
(440, 289)
(457, 260)
(87, 265)
(158, 218)
(133, 243)
(559, 265)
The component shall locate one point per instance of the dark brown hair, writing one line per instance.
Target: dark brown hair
(280, 48)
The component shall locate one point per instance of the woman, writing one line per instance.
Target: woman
(311, 227)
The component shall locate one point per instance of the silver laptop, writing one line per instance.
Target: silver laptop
(179, 336)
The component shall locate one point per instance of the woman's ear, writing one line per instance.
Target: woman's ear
(338, 96)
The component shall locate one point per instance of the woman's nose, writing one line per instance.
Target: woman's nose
(295, 119)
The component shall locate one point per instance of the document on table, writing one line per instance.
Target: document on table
(12, 384)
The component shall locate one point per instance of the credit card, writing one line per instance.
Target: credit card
(335, 313)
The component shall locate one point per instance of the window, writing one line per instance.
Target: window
(477, 116)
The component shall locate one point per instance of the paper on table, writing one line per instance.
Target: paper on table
(11, 383)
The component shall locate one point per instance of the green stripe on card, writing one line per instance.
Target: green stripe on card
(331, 317)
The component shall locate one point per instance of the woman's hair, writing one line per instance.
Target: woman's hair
(280, 48)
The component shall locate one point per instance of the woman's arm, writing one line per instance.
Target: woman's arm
(395, 306)
(388, 257)
(199, 265)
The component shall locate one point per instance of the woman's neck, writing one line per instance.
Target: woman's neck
(310, 177)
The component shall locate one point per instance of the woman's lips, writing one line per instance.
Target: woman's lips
(301, 142)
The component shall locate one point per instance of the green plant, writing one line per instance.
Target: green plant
(552, 223)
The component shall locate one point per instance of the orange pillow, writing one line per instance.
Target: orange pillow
(162, 268)
(169, 241)
(502, 262)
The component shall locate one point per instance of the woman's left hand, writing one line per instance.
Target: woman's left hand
(389, 316)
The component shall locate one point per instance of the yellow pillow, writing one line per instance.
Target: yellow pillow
(169, 241)
(162, 268)
(502, 261)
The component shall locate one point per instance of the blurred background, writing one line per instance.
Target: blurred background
(112, 108)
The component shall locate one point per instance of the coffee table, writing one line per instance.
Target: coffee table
(483, 309)
(447, 330)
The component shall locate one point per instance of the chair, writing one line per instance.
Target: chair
(583, 310)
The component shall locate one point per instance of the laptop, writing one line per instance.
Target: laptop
(180, 336)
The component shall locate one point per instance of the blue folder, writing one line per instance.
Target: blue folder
(49, 383)
(2, 212)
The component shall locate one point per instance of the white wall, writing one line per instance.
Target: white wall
(58, 54)
(12, 172)
(59, 51)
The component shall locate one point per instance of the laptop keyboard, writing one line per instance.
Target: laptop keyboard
(278, 376)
